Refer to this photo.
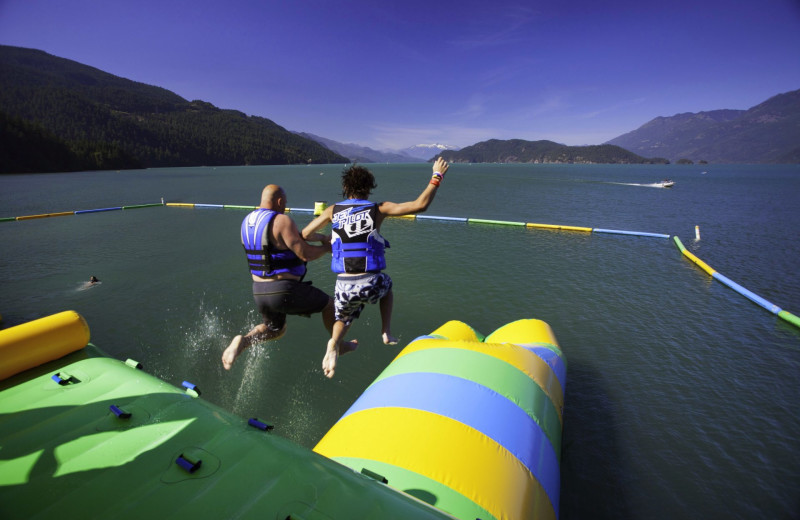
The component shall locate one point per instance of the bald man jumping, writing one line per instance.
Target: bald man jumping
(277, 256)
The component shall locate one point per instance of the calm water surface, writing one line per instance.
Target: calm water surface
(681, 394)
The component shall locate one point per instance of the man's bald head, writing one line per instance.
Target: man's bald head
(273, 197)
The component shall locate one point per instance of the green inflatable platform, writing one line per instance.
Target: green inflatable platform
(458, 426)
(86, 436)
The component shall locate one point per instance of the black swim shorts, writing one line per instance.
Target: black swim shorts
(277, 299)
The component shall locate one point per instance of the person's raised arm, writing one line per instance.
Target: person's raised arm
(286, 231)
(425, 198)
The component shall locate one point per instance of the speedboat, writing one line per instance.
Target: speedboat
(667, 183)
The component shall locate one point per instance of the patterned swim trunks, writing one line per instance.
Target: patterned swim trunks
(353, 292)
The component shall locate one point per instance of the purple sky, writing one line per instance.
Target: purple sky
(395, 74)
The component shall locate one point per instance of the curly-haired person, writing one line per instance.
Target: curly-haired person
(358, 250)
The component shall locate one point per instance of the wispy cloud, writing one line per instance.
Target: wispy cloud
(473, 109)
(612, 108)
(548, 105)
(512, 71)
(511, 22)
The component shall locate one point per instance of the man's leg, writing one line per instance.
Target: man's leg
(268, 299)
(334, 347)
(239, 343)
(386, 304)
(329, 320)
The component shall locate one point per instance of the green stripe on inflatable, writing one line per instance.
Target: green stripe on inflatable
(679, 243)
(7, 218)
(232, 206)
(487, 371)
(478, 336)
(409, 482)
(791, 318)
(501, 222)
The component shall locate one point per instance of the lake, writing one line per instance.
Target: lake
(681, 393)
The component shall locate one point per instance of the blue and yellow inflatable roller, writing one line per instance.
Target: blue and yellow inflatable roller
(467, 424)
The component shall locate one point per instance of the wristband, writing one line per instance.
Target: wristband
(439, 174)
(435, 181)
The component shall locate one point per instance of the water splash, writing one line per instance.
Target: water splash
(202, 337)
(254, 378)
(301, 418)
(87, 285)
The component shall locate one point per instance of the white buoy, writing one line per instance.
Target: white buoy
(697, 233)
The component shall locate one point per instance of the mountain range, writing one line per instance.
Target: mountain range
(766, 133)
(363, 154)
(541, 152)
(60, 115)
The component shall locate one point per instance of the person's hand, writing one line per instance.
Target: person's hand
(440, 166)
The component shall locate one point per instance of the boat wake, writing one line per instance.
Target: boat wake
(651, 185)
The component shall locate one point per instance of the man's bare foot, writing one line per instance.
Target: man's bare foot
(388, 339)
(232, 352)
(329, 361)
(348, 346)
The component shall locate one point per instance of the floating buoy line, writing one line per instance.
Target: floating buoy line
(320, 206)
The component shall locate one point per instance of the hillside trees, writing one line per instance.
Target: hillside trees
(107, 122)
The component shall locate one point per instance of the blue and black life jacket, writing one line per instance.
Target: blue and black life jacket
(263, 259)
(356, 245)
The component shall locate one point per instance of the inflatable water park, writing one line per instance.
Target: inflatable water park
(458, 425)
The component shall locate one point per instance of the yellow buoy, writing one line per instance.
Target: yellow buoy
(319, 207)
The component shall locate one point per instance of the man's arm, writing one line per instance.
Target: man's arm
(285, 230)
(423, 201)
(324, 218)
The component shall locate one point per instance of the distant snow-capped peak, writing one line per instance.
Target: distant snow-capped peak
(426, 151)
(435, 145)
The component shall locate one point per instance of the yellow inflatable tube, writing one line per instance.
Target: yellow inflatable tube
(704, 266)
(37, 342)
(469, 424)
(560, 228)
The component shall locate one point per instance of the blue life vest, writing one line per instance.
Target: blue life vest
(263, 259)
(356, 245)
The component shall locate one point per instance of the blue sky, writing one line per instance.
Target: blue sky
(393, 74)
